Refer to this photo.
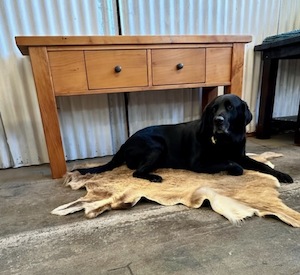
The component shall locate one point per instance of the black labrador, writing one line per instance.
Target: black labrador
(212, 144)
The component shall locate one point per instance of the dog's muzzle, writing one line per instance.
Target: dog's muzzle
(220, 125)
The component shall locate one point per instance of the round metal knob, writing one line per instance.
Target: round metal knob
(118, 69)
(179, 66)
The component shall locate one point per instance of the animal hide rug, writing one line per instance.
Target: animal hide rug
(234, 197)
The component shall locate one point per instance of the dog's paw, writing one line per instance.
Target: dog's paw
(234, 169)
(155, 178)
(282, 177)
(146, 176)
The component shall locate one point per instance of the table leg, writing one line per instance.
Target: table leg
(237, 67)
(297, 132)
(268, 84)
(47, 104)
(208, 94)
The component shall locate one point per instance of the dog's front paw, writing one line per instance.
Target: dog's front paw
(282, 177)
(234, 169)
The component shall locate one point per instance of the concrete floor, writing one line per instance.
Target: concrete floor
(147, 239)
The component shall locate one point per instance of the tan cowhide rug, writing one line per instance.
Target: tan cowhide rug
(236, 198)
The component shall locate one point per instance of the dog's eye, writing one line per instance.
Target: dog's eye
(214, 109)
(229, 107)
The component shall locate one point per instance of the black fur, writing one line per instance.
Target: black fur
(212, 144)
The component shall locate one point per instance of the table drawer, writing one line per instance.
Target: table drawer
(116, 68)
(218, 65)
(68, 71)
(178, 66)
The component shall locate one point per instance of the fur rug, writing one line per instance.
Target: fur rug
(236, 198)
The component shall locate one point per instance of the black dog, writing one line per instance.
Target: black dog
(212, 144)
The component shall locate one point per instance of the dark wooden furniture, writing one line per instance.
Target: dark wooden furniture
(77, 65)
(282, 47)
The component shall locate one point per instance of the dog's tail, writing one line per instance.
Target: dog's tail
(116, 161)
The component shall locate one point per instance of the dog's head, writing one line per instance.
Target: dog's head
(227, 115)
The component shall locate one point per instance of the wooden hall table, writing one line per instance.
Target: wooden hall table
(77, 65)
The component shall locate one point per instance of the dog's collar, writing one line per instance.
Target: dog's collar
(213, 140)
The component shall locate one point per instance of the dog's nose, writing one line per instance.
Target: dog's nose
(219, 120)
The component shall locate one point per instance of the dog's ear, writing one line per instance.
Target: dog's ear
(206, 124)
(247, 113)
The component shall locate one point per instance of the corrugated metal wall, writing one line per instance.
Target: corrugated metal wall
(95, 125)
(288, 80)
(140, 17)
(90, 125)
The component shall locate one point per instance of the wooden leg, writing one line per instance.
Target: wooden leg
(297, 131)
(237, 67)
(269, 75)
(208, 94)
(47, 104)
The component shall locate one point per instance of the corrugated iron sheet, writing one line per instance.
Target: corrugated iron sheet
(288, 80)
(5, 159)
(162, 107)
(86, 122)
(140, 17)
(96, 125)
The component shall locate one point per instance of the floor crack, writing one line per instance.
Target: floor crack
(123, 267)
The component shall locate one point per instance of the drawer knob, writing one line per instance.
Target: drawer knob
(118, 69)
(179, 66)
